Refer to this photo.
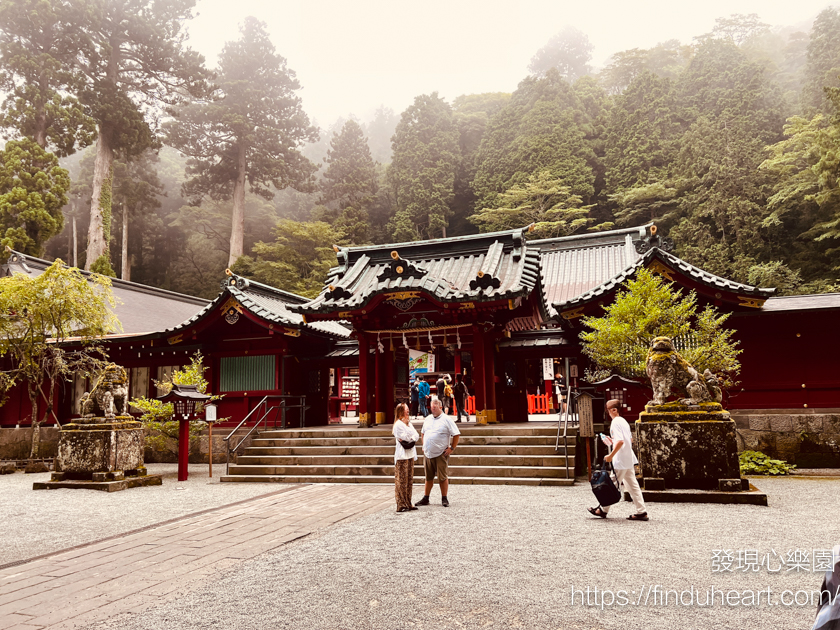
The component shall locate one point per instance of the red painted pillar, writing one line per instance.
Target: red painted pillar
(364, 378)
(479, 376)
(183, 449)
(457, 362)
(379, 387)
(388, 402)
(490, 375)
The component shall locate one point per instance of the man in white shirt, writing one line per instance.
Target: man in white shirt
(438, 429)
(623, 460)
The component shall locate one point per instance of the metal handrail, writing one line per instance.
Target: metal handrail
(281, 407)
(565, 424)
(263, 402)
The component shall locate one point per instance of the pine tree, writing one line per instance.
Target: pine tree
(422, 173)
(251, 136)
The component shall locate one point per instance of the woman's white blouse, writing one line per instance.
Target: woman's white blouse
(403, 431)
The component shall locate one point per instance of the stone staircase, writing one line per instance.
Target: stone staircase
(518, 454)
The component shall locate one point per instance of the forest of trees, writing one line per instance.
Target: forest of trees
(126, 154)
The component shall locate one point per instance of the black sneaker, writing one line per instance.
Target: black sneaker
(423, 501)
(445, 502)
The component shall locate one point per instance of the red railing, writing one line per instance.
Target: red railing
(470, 406)
(539, 404)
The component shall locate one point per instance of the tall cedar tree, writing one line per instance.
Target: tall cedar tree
(422, 172)
(37, 49)
(253, 133)
(568, 52)
(822, 68)
(133, 57)
(33, 189)
(349, 185)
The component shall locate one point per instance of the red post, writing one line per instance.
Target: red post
(388, 402)
(478, 368)
(183, 449)
(378, 387)
(457, 362)
(490, 372)
(364, 377)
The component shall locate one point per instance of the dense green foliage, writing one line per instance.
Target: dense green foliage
(41, 312)
(161, 429)
(730, 143)
(33, 190)
(756, 463)
(650, 307)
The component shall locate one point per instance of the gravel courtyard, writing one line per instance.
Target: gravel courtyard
(44, 521)
(508, 557)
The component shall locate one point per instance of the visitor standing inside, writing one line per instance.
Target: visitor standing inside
(460, 394)
(440, 390)
(415, 396)
(440, 437)
(404, 457)
(623, 460)
(423, 391)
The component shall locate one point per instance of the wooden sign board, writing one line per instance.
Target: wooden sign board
(584, 410)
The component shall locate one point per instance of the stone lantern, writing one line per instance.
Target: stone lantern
(184, 399)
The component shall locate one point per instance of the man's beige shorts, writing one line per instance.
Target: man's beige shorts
(436, 466)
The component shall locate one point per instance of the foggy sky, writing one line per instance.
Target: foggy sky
(353, 56)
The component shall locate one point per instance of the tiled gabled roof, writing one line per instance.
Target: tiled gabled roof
(572, 265)
(479, 268)
(672, 262)
(141, 309)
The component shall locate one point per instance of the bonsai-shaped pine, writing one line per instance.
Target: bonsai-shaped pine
(648, 307)
(161, 429)
(49, 328)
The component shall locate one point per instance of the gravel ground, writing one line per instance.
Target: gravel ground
(43, 521)
(507, 557)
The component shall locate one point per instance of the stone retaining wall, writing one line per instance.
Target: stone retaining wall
(807, 440)
(15, 444)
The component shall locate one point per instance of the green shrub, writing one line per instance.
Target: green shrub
(755, 463)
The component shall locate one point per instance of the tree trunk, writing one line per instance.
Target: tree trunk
(125, 266)
(36, 427)
(75, 244)
(237, 228)
(100, 206)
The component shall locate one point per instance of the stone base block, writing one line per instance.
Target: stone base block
(105, 447)
(102, 486)
(653, 483)
(753, 496)
(730, 485)
(694, 454)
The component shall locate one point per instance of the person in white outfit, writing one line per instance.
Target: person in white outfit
(405, 455)
(623, 460)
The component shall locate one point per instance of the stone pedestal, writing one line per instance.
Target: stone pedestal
(102, 454)
(683, 446)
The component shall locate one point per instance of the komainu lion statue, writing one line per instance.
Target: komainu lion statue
(109, 397)
(668, 371)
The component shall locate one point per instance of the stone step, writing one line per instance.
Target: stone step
(388, 471)
(500, 440)
(463, 449)
(547, 429)
(385, 460)
(511, 481)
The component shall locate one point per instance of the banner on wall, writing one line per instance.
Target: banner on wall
(420, 362)
(548, 369)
